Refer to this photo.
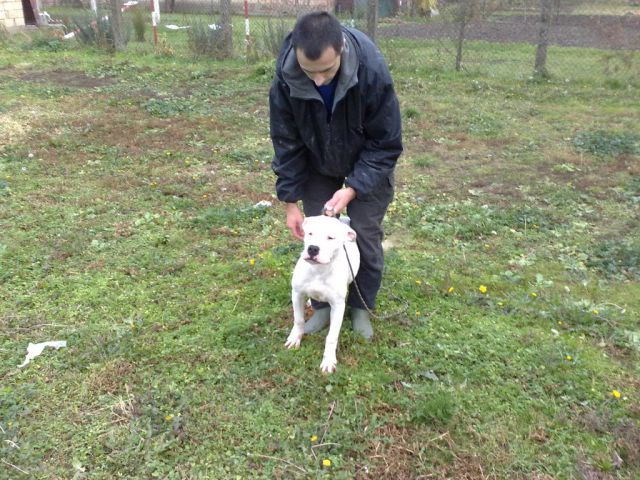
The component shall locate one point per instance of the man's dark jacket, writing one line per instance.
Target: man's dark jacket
(362, 141)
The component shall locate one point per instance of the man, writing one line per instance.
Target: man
(336, 132)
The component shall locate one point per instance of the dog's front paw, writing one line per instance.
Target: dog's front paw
(328, 365)
(293, 341)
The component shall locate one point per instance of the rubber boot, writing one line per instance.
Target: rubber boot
(318, 321)
(361, 323)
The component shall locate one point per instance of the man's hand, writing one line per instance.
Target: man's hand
(294, 220)
(339, 201)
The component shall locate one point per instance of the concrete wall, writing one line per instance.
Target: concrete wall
(11, 14)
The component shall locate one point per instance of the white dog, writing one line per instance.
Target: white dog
(323, 273)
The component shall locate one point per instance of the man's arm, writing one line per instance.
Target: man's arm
(290, 153)
(294, 220)
(383, 139)
(290, 158)
(339, 201)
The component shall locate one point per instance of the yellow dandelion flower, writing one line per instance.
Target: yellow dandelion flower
(451, 290)
(326, 462)
(418, 282)
(168, 418)
(616, 393)
(534, 294)
(482, 288)
(569, 358)
(314, 438)
(252, 261)
(595, 312)
(500, 304)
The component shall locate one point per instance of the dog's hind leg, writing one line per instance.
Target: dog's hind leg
(293, 341)
(329, 360)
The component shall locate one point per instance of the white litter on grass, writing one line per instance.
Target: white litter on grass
(213, 26)
(35, 349)
(263, 204)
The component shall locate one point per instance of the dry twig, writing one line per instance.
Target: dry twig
(268, 457)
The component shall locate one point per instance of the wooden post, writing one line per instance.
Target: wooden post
(155, 19)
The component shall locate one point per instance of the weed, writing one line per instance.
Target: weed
(484, 125)
(411, 112)
(229, 217)
(167, 107)
(435, 408)
(606, 143)
(424, 161)
(616, 257)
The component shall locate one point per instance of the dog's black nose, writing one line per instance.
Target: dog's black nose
(313, 250)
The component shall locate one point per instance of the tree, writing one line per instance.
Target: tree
(225, 21)
(372, 18)
(116, 23)
(464, 12)
(540, 67)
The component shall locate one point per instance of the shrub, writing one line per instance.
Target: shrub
(4, 35)
(96, 31)
(272, 36)
(207, 40)
(44, 40)
(139, 24)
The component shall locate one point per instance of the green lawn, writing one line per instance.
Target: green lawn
(128, 227)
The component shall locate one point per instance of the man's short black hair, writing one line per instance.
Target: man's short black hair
(316, 31)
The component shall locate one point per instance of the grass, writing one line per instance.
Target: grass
(129, 228)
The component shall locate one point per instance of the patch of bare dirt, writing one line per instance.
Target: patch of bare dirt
(65, 78)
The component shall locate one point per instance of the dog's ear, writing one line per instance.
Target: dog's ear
(350, 233)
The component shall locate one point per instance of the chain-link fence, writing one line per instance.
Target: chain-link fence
(505, 37)
(493, 36)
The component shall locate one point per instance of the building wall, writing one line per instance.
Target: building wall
(11, 14)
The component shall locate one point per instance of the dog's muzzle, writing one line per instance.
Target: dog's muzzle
(312, 254)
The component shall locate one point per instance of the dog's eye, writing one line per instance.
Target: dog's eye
(331, 238)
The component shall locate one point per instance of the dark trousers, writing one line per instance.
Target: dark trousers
(366, 219)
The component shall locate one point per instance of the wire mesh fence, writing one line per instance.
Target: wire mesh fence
(487, 37)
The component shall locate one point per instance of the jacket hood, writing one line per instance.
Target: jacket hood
(302, 87)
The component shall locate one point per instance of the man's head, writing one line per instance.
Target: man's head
(318, 41)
